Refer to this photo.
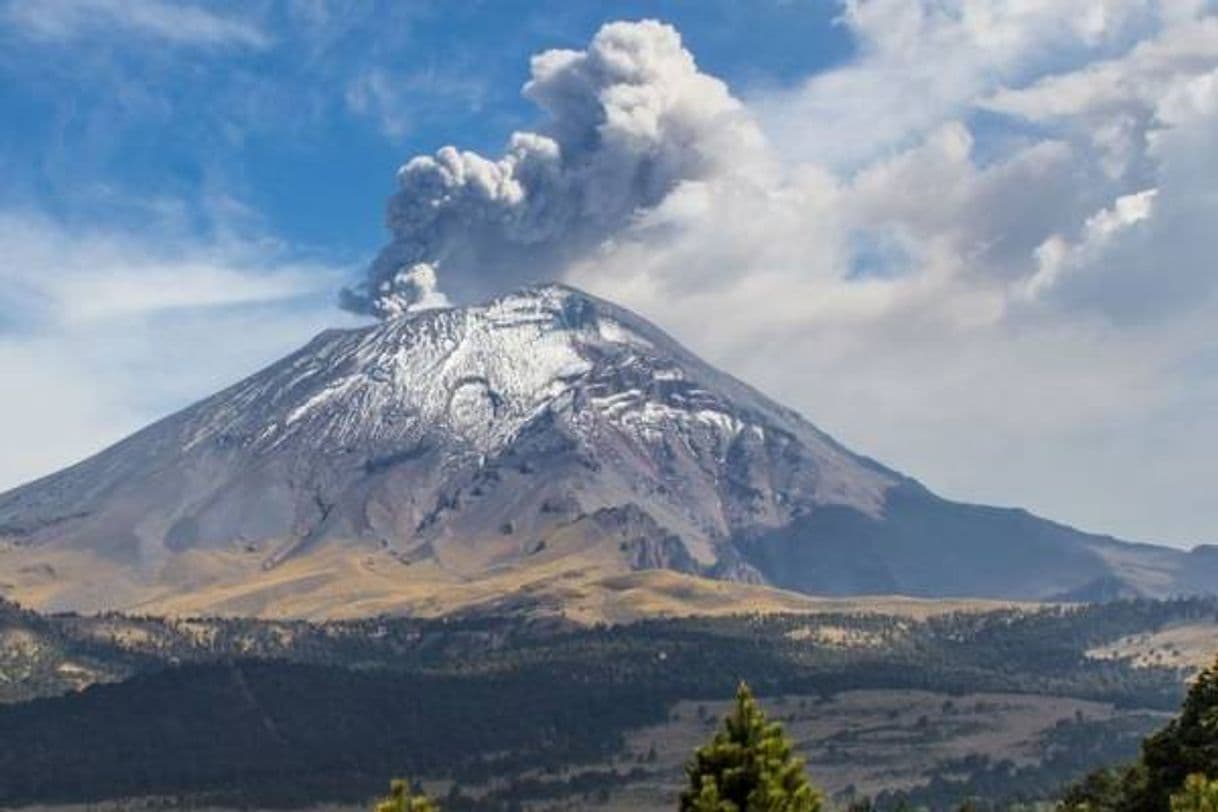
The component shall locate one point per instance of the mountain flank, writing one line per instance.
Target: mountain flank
(546, 450)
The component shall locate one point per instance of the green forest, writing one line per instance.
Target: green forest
(750, 766)
(507, 712)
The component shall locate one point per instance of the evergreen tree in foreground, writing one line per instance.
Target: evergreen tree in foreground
(1178, 764)
(1188, 745)
(1199, 795)
(748, 767)
(401, 799)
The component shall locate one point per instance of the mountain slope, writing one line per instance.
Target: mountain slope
(546, 438)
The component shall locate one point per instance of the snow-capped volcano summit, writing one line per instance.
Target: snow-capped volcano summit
(542, 435)
(474, 380)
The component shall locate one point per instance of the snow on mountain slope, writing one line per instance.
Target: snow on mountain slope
(543, 432)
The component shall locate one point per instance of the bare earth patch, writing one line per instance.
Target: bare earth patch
(336, 581)
(1183, 645)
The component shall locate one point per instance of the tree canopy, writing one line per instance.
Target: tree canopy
(1178, 767)
(749, 766)
(402, 799)
(1187, 746)
(1200, 794)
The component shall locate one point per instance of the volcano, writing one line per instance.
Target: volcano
(534, 450)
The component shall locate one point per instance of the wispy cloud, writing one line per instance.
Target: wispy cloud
(400, 102)
(104, 330)
(85, 275)
(64, 20)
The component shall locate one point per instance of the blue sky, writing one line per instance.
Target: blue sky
(166, 144)
(971, 238)
(302, 114)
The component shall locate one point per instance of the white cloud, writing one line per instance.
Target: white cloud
(120, 291)
(75, 276)
(1056, 255)
(1111, 103)
(102, 332)
(399, 102)
(63, 20)
(1033, 329)
(924, 62)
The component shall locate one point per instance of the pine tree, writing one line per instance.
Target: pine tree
(1199, 795)
(401, 799)
(748, 767)
(1188, 745)
(1186, 749)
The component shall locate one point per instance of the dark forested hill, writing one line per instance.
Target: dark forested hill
(247, 711)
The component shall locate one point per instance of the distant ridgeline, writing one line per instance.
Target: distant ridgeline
(286, 713)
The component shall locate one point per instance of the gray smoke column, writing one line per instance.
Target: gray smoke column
(625, 122)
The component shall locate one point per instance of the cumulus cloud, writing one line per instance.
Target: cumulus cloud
(921, 63)
(626, 121)
(981, 249)
(1056, 255)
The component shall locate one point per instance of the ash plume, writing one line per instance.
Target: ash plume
(626, 121)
